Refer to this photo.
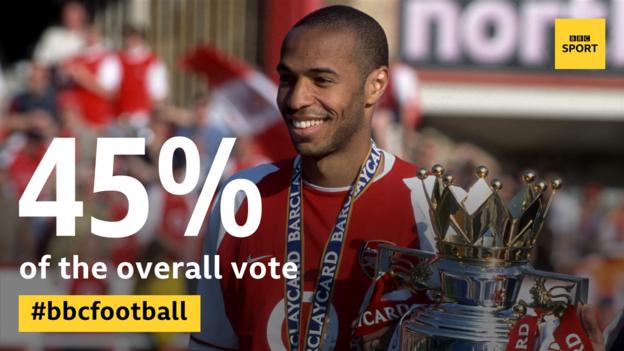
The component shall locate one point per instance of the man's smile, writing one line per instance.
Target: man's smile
(306, 123)
(305, 128)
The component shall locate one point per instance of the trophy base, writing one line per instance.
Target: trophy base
(478, 300)
(455, 327)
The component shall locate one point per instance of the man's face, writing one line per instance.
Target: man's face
(321, 90)
(132, 40)
(37, 79)
(74, 16)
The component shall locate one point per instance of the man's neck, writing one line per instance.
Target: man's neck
(337, 169)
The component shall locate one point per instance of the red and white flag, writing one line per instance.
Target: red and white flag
(243, 101)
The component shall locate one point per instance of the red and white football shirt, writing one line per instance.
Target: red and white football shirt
(249, 314)
(143, 82)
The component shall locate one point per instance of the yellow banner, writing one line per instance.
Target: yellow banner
(109, 313)
(580, 43)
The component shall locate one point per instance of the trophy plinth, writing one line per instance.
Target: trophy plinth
(479, 279)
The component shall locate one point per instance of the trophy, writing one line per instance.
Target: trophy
(480, 281)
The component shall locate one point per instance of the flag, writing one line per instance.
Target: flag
(242, 101)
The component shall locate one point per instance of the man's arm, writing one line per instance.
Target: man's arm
(157, 83)
(216, 330)
(590, 324)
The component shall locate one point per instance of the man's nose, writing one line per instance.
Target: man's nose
(300, 95)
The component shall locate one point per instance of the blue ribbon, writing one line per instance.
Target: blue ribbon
(330, 263)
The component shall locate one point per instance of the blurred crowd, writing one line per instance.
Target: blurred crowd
(78, 85)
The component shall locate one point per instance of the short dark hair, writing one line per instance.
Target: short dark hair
(371, 41)
(132, 29)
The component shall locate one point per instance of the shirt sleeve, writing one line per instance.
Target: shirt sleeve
(43, 52)
(157, 84)
(57, 44)
(109, 73)
(216, 332)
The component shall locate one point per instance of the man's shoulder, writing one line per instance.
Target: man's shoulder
(271, 178)
(398, 176)
(268, 175)
(397, 167)
(54, 32)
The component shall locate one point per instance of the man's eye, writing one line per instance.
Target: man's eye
(322, 81)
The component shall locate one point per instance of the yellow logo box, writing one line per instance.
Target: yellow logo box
(109, 313)
(580, 43)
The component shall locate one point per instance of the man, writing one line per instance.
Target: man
(95, 75)
(35, 107)
(330, 80)
(326, 210)
(143, 79)
(60, 43)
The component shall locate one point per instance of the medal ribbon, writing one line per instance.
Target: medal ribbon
(568, 336)
(524, 334)
(330, 260)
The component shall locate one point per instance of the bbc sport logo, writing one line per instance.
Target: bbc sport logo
(580, 43)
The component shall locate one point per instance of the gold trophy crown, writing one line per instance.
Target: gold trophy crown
(476, 226)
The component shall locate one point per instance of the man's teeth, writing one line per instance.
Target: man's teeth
(307, 124)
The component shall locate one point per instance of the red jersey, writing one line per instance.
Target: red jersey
(94, 109)
(23, 166)
(133, 95)
(249, 314)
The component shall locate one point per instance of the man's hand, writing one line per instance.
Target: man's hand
(378, 340)
(590, 324)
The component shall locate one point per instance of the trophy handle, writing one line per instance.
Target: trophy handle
(549, 291)
(415, 267)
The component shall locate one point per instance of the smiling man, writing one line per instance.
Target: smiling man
(326, 210)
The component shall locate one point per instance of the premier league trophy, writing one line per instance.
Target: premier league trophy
(486, 295)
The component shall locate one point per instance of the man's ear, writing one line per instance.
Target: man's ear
(375, 85)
